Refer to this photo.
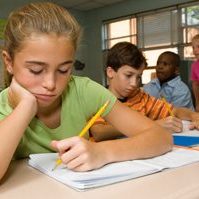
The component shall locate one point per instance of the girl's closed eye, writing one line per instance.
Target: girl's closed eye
(35, 70)
(64, 69)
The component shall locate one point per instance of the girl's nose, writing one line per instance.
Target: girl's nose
(49, 82)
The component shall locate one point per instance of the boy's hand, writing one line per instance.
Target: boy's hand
(17, 94)
(171, 123)
(194, 121)
(79, 154)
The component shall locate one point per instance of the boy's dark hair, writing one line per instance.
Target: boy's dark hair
(125, 53)
(175, 60)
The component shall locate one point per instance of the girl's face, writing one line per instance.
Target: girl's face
(43, 66)
(123, 82)
(195, 46)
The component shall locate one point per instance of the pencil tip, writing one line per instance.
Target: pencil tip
(53, 168)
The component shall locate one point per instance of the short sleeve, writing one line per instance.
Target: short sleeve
(195, 71)
(5, 109)
(93, 96)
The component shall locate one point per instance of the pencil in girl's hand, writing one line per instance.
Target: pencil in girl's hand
(86, 128)
(57, 163)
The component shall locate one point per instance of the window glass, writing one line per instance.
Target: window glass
(152, 55)
(148, 75)
(114, 41)
(193, 15)
(119, 29)
(156, 29)
(188, 52)
(189, 32)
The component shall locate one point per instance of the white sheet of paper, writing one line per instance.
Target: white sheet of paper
(114, 172)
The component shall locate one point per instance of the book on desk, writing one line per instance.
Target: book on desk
(113, 172)
(187, 138)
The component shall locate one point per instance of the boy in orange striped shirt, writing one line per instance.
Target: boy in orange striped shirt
(125, 64)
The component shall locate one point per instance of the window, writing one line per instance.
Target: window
(154, 32)
(122, 30)
(190, 27)
(158, 29)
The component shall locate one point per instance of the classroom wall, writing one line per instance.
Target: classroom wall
(94, 21)
(90, 49)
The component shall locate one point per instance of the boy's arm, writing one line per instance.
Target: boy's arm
(187, 114)
(195, 88)
(104, 131)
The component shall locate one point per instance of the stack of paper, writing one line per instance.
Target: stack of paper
(114, 172)
(186, 137)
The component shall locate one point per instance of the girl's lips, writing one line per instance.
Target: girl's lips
(44, 97)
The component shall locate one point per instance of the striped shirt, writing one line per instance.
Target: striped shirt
(145, 104)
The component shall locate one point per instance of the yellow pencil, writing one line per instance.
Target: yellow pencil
(86, 128)
(169, 109)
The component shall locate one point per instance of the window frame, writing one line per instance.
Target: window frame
(180, 45)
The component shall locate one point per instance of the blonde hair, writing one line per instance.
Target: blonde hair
(195, 38)
(41, 17)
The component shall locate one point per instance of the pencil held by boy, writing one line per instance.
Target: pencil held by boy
(124, 67)
(45, 107)
(195, 71)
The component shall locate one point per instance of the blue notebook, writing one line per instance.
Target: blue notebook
(186, 140)
(188, 137)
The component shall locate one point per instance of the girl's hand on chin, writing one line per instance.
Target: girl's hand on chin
(17, 94)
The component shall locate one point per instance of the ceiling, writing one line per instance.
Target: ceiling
(85, 5)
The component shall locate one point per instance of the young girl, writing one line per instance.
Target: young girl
(195, 71)
(45, 108)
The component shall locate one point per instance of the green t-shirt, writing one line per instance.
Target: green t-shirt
(80, 101)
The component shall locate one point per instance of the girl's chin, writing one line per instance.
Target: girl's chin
(42, 103)
(48, 103)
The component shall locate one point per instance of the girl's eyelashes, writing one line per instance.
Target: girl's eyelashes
(39, 70)
(36, 72)
(63, 71)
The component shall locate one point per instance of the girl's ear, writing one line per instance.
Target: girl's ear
(110, 72)
(7, 61)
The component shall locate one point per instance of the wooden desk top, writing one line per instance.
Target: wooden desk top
(24, 182)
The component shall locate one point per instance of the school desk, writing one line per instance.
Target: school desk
(24, 182)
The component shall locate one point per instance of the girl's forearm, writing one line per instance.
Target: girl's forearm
(144, 145)
(11, 131)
